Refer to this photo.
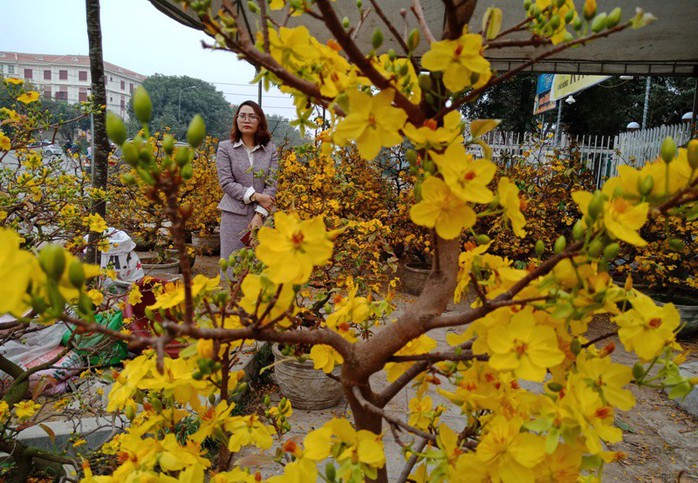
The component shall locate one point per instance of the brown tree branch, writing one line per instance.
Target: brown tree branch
(395, 421)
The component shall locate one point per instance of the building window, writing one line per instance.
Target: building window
(62, 95)
(28, 74)
(130, 88)
(47, 93)
(82, 75)
(10, 69)
(82, 96)
(47, 75)
(123, 85)
(123, 103)
(63, 74)
(111, 99)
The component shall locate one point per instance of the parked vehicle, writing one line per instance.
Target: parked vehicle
(53, 150)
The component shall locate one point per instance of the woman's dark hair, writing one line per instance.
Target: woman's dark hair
(262, 136)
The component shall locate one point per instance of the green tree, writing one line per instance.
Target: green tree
(511, 101)
(282, 133)
(176, 99)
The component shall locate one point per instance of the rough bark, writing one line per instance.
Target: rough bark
(101, 141)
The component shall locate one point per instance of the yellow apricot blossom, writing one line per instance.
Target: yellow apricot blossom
(19, 266)
(96, 223)
(510, 201)
(248, 430)
(511, 455)
(466, 177)
(442, 210)
(623, 220)
(26, 409)
(372, 123)
(259, 291)
(324, 357)
(524, 347)
(5, 143)
(293, 248)
(429, 135)
(647, 328)
(460, 60)
(421, 413)
(28, 97)
(609, 378)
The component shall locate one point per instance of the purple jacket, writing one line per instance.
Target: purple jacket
(236, 176)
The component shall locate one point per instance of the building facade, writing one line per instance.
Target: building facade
(67, 78)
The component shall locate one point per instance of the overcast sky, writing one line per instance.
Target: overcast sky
(136, 36)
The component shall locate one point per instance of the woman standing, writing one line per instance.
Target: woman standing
(247, 165)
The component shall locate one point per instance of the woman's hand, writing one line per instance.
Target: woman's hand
(265, 201)
(256, 222)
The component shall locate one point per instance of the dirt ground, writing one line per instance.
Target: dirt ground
(660, 439)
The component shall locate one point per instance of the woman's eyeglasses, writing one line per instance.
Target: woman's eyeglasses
(248, 117)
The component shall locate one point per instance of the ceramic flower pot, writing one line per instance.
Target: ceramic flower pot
(306, 387)
(206, 243)
(158, 269)
(413, 276)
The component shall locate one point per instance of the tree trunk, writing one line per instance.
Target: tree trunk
(101, 142)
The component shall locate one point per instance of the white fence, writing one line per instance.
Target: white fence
(603, 154)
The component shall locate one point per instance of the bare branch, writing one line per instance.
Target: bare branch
(376, 410)
(419, 14)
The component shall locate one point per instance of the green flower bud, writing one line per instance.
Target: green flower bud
(187, 171)
(569, 17)
(130, 154)
(196, 132)
(534, 11)
(668, 149)
(425, 81)
(182, 156)
(330, 472)
(168, 142)
(157, 404)
(676, 244)
(560, 245)
(527, 5)
(611, 251)
(599, 23)
(578, 230)
(359, 4)
(142, 105)
(76, 273)
(116, 129)
(692, 153)
(52, 261)
(555, 22)
(392, 55)
(482, 239)
(377, 39)
(411, 156)
(577, 24)
(575, 346)
(638, 371)
(413, 40)
(596, 204)
(252, 6)
(39, 305)
(342, 101)
(429, 166)
(645, 186)
(555, 386)
(128, 179)
(418, 191)
(613, 18)
(130, 412)
(540, 248)
(85, 304)
(146, 176)
(345, 22)
(595, 248)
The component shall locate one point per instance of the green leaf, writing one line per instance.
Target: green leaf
(624, 426)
